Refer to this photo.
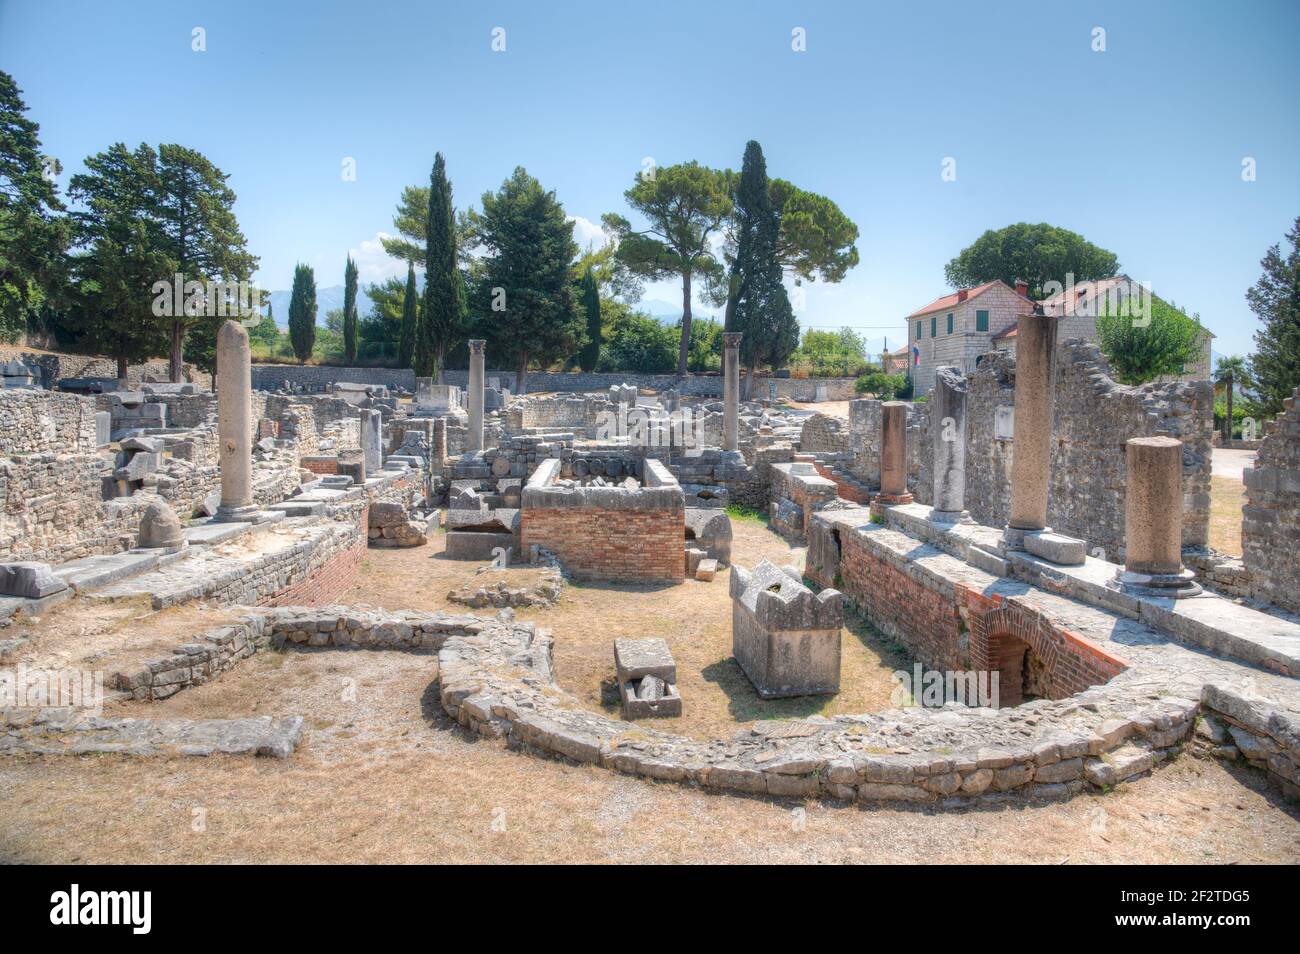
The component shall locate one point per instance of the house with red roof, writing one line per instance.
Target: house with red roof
(956, 329)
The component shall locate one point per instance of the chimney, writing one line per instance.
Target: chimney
(961, 295)
(1022, 288)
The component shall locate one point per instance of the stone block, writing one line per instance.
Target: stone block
(476, 545)
(706, 570)
(29, 580)
(785, 637)
(1055, 547)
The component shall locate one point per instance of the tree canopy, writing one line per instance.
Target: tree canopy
(686, 206)
(302, 311)
(33, 233)
(1275, 300)
(1036, 253)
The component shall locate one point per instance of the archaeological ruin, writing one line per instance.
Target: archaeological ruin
(1033, 522)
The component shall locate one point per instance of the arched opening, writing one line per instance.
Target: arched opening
(1021, 674)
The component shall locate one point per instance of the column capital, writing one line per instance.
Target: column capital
(731, 339)
(476, 345)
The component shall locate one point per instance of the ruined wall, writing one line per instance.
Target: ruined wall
(626, 546)
(1270, 529)
(38, 422)
(824, 433)
(1092, 418)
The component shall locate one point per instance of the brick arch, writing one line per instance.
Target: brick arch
(1004, 636)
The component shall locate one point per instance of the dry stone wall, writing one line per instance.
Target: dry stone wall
(1270, 529)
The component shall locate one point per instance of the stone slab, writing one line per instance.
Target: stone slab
(475, 545)
(1055, 547)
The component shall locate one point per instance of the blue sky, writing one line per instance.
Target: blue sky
(1138, 148)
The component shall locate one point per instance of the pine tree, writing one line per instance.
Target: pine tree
(410, 320)
(350, 312)
(302, 312)
(761, 309)
(443, 294)
(590, 301)
(1275, 299)
(525, 288)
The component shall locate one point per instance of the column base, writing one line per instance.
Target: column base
(249, 514)
(1013, 538)
(882, 500)
(1174, 586)
(951, 516)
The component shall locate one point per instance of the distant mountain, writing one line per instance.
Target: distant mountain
(327, 299)
(668, 313)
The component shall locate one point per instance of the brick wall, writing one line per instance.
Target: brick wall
(623, 546)
(325, 583)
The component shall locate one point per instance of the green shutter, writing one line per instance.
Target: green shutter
(949, 322)
(918, 331)
(981, 320)
(934, 326)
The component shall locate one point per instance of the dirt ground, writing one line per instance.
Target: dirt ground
(1227, 497)
(383, 776)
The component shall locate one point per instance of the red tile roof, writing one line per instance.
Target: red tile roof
(948, 301)
(1009, 333)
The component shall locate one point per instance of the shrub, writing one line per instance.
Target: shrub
(883, 386)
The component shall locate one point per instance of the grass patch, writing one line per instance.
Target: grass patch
(747, 514)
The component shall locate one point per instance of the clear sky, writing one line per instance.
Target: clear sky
(1139, 148)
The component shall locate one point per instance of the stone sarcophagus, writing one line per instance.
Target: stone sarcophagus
(785, 637)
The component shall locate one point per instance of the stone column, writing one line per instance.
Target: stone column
(948, 427)
(1153, 518)
(731, 390)
(893, 457)
(372, 440)
(235, 423)
(475, 442)
(1032, 434)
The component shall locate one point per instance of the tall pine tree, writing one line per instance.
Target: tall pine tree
(410, 320)
(350, 312)
(1275, 300)
(589, 296)
(761, 309)
(443, 294)
(524, 288)
(302, 312)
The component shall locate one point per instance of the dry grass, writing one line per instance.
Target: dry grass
(1227, 497)
(383, 776)
(694, 618)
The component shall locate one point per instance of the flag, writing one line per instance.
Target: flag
(916, 356)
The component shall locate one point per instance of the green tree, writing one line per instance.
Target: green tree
(636, 342)
(1275, 300)
(111, 301)
(350, 312)
(1229, 374)
(302, 312)
(685, 206)
(1036, 253)
(882, 385)
(266, 331)
(410, 320)
(412, 222)
(760, 307)
(33, 233)
(590, 297)
(1143, 349)
(444, 298)
(194, 210)
(523, 285)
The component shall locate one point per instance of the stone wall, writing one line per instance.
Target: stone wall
(1093, 417)
(271, 377)
(825, 433)
(1270, 529)
(38, 422)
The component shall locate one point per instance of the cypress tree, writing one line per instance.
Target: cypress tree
(350, 311)
(761, 309)
(443, 294)
(410, 320)
(590, 299)
(302, 312)
(1275, 300)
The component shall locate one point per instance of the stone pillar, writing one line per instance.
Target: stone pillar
(1032, 434)
(475, 440)
(731, 390)
(235, 423)
(438, 448)
(372, 440)
(893, 457)
(948, 427)
(1153, 518)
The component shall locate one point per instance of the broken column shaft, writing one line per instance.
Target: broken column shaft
(731, 390)
(1032, 436)
(475, 440)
